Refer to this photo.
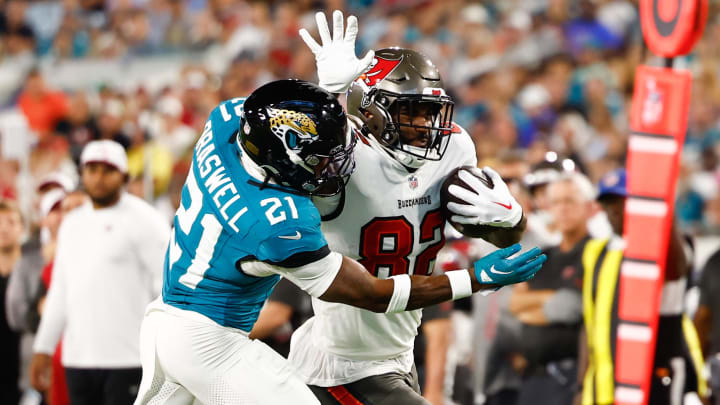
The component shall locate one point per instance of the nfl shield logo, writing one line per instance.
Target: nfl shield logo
(413, 181)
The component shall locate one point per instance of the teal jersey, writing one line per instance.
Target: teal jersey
(227, 217)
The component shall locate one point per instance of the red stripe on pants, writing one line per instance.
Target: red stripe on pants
(342, 395)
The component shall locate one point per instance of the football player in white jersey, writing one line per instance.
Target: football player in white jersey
(389, 216)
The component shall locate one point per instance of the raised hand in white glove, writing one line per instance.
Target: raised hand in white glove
(484, 205)
(337, 65)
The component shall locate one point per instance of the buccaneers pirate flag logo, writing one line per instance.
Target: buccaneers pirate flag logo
(379, 69)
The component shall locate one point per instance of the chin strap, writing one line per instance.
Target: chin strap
(403, 158)
(406, 159)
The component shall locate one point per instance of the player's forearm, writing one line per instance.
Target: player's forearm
(354, 286)
(424, 291)
(462, 283)
(428, 291)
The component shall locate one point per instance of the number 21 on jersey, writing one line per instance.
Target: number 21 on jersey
(275, 212)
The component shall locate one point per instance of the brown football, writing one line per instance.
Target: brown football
(500, 237)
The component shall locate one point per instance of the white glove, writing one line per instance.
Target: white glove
(337, 65)
(485, 206)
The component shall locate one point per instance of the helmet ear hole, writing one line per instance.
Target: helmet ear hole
(383, 101)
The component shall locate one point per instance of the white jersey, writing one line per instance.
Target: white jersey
(390, 221)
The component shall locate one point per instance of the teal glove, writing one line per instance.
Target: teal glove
(496, 268)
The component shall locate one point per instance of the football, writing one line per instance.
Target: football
(500, 237)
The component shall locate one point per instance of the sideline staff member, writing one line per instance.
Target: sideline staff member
(601, 262)
(108, 267)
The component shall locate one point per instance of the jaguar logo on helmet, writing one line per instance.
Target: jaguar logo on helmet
(292, 127)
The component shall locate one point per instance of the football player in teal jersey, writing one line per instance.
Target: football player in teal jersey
(245, 220)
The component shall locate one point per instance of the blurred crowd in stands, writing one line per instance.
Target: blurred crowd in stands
(527, 75)
(537, 84)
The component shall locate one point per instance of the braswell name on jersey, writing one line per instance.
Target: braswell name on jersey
(226, 219)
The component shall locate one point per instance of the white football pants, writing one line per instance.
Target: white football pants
(189, 359)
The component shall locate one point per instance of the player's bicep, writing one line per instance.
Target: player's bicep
(294, 246)
(315, 278)
(312, 276)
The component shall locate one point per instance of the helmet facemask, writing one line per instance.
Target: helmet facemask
(332, 171)
(323, 166)
(417, 126)
(422, 124)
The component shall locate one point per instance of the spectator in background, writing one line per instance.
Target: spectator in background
(198, 97)
(540, 221)
(550, 305)
(11, 230)
(110, 122)
(78, 127)
(170, 132)
(42, 107)
(707, 321)
(534, 100)
(54, 180)
(24, 286)
(170, 201)
(149, 164)
(17, 44)
(178, 31)
(107, 268)
(57, 393)
(585, 34)
(24, 281)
